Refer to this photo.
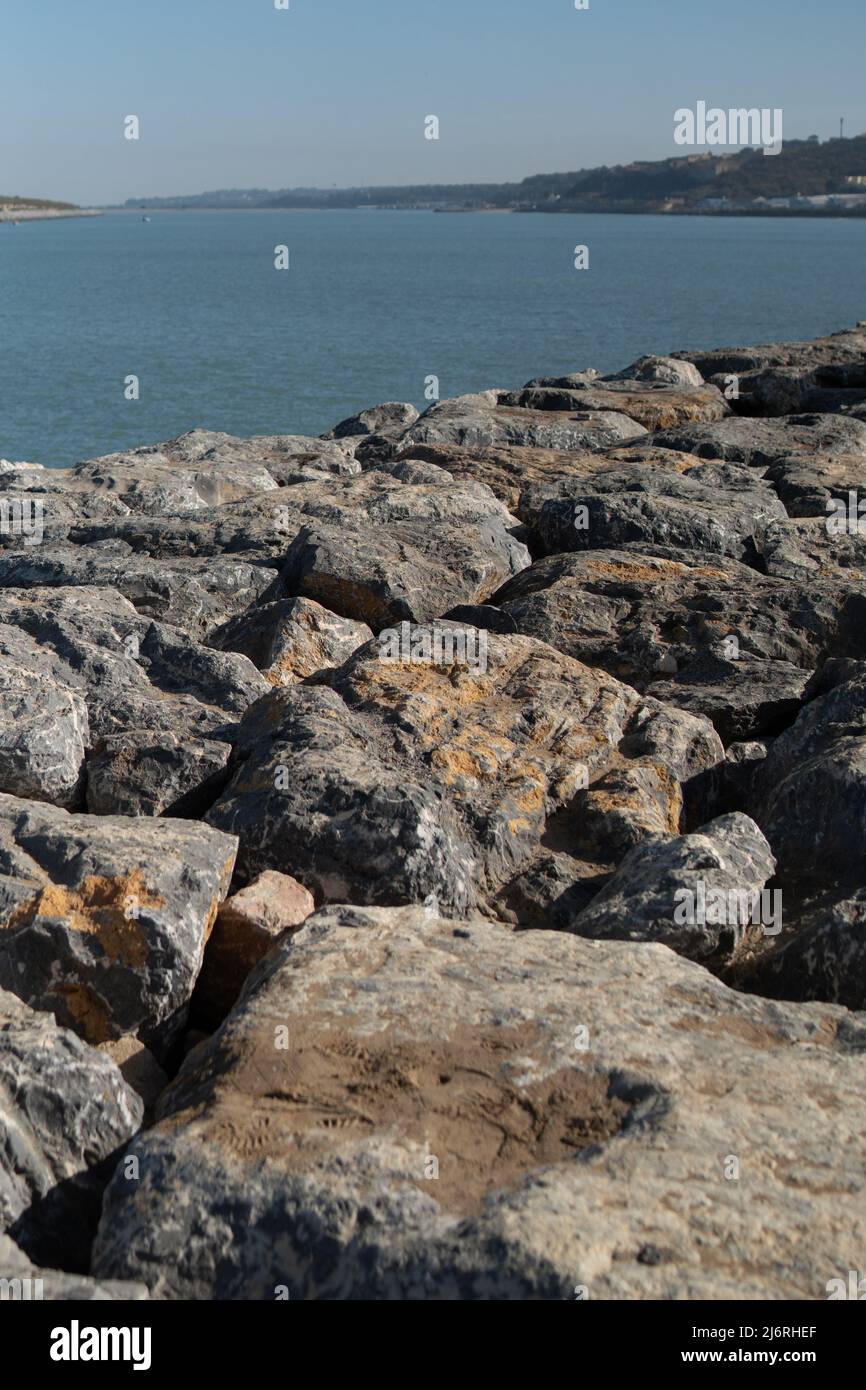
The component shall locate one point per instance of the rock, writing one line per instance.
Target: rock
(762, 443)
(65, 1110)
(103, 920)
(291, 639)
(486, 419)
(668, 370)
(26, 1282)
(704, 633)
(718, 509)
(825, 959)
(247, 927)
(509, 470)
(398, 780)
(43, 734)
(653, 404)
(690, 892)
(197, 595)
(130, 673)
(811, 794)
(461, 1113)
(148, 773)
(394, 417)
(138, 1067)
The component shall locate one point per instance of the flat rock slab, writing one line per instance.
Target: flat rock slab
(103, 919)
(655, 405)
(761, 443)
(410, 1108)
(485, 419)
(65, 1110)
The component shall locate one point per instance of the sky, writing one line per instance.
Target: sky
(239, 94)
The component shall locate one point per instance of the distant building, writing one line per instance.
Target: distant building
(859, 180)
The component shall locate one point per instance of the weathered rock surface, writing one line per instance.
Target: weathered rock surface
(461, 1112)
(487, 419)
(762, 443)
(712, 508)
(397, 781)
(103, 919)
(290, 639)
(64, 1111)
(661, 889)
(811, 794)
(654, 404)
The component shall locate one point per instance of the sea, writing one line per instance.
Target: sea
(131, 328)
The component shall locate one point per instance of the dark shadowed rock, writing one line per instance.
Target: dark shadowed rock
(28, 1281)
(64, 1111)
(149, 773)
(826, 959)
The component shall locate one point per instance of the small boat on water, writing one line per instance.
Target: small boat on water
(145, 219)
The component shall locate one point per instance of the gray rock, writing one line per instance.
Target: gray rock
(825, 959)
(103, 919)
(690, 892)
(811, 794)
(718, 509)
(668, 370)
(291, 639)
(152, 773)
(43, 736)
(464, 1113)
(64, 1111)
(762, 443)
(397, 781)
(485, 419)
(393, 417)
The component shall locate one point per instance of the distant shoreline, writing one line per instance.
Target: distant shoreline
(45, 214)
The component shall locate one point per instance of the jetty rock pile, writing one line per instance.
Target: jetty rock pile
(433, 855)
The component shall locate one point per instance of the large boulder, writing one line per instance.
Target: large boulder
(403, 1107)
(398, 779)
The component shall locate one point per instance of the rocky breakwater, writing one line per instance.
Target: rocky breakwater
(431, 855)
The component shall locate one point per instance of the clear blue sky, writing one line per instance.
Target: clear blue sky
(234, 93)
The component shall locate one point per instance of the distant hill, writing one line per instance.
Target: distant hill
(703, 182)
(14, 203)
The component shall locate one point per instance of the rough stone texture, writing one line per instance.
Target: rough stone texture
(762, 443)
(28, 1283)
(43, 733)
(65, 1110)
(148, 773)
(780, 378)
(247, 927)
(598, 1089)
(707, 634)
(197, 595)
(639, 903)
(290, 639)
(394, 782)
(653, 404)
(669, 370)
(811, 794)
(392, 417)
(824, 959)
(486, 419)
(711, 508)
(103, 920)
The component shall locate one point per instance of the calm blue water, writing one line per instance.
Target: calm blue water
(373, 304)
